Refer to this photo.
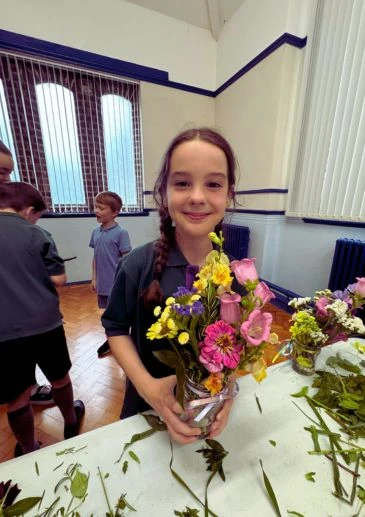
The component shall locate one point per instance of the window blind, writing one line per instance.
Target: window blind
(329, 176)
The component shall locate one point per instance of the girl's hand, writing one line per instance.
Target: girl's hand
(160, 395)
(221, 419)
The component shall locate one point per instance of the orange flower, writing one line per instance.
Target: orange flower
(214, 383)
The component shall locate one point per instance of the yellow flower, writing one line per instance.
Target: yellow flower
(183, 338)
(221, 275)
(200, 284)
(214, 383)
(170, 300)
(273, 338)
(259, 370)
(154, 331)
(157, 311)
(211, 258)
(165, 314)
(195, 297)
(170, 324)
(206, 272)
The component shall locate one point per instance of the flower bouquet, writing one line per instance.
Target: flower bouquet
(215, 333)
(326, 318)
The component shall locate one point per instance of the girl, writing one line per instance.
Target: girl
(193, 190)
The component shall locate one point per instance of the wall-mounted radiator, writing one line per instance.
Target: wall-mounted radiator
(348, 263)
(236, 240)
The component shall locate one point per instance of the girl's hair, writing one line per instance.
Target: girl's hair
(153, 293)
(19, 195)
(110, 199)
(4, 149)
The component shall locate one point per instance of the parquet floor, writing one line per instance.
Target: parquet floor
(98, 382)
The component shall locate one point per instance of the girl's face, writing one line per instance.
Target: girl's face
(197, 188)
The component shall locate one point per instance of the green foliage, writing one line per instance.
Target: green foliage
(310, 476)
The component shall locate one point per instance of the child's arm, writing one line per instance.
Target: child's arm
(158, 393)
(93, 276)
(59, 280)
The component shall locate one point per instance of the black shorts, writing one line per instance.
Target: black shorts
(19, 357)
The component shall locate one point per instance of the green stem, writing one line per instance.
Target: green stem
(105, 492)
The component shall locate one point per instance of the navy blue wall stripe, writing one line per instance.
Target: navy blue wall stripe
(19, 42)
(239, 192)
(287, 38)
(333, 222)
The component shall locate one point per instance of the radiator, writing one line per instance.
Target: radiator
(236, 239)
(348, 263)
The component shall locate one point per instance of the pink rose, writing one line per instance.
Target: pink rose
(244, 270)
(230, 307)
(257, 327)
(263, 292)
(359, 287)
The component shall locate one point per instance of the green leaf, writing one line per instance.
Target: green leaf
(270, 492)
(135, 438)
(36, 468)
(338, 361)
(21, 507)
(123, 503)
(292, 512)
(155, 422)
(168, 357)
(79, 484)
(310, 476)
(273, 443)
(258, 404)
(134, 456)
(302, 393)
(125, 466)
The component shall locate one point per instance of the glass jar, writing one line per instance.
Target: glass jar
(303, 357)
(201, 408)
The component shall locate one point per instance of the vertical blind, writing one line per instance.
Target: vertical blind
(329, 176)
(74, 132)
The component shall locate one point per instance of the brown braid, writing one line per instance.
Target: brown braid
(152, 295)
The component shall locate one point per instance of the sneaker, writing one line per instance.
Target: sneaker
(43, 396)
(104, 349)
(18, 451)
(72, 430)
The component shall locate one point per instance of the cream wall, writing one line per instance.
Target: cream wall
(121, 30)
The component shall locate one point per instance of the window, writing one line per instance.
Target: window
(329, 177)
(118, 140)
(5, 131)
(75, 132)
(61, 144)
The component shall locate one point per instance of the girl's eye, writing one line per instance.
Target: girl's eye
(181, 184)
(214, 185)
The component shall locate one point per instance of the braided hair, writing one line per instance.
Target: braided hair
(152, 295)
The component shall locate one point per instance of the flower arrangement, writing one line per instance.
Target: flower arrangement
(216, 332)
(326, 318)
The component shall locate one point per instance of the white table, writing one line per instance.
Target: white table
(150, 487)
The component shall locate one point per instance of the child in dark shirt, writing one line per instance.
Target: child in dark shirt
(31, 330)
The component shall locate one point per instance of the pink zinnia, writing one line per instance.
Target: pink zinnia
(219, 348)
(257, 327)
(321, 305)
(230, 307)
(244, 270)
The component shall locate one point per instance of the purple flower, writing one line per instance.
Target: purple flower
(182, 291)
(197, 308)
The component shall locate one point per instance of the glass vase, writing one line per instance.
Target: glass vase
(201, 408)
(303, 357)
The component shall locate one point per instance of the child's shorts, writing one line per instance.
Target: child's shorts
(102, 301)
(19, 357)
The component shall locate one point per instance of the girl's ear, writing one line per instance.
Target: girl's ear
(31, 215)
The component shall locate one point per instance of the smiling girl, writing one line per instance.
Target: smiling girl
(194, 187)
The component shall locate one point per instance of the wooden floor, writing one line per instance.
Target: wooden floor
(98, 382)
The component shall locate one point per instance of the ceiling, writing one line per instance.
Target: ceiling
(207, 14)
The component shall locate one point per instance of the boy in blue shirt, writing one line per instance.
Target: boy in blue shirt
(110, 242)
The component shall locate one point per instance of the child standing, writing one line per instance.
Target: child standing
(31, 330)
(41, 394)
(194, 187)
(110, 242)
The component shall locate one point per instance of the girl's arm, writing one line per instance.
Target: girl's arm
(93, 276)
(158, 393)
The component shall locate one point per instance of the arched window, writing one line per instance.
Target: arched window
(119, 147)
(5, 131)
(57, 114)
